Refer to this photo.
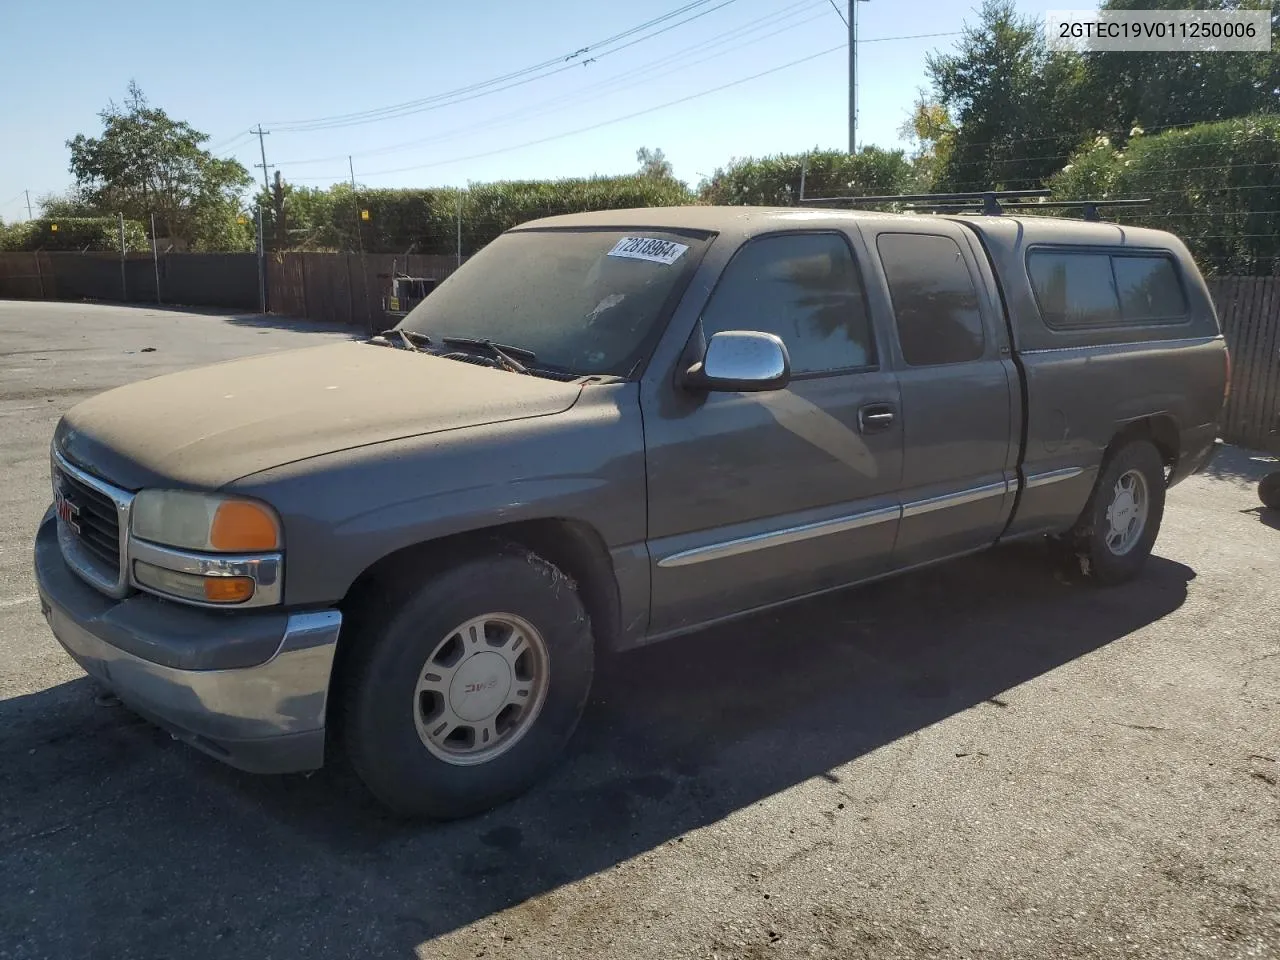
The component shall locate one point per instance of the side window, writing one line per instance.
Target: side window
(1074, 289)
(1149, 289)
(1078, 290)
(805, 288)
(935, 302)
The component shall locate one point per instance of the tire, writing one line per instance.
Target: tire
(394, 696)
(1106, 556)
(1269, 491)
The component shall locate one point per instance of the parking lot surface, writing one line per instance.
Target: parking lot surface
(986, 759)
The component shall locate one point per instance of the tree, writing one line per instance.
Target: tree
(932, 135)
(654, 163)
(1216, 185)
(1016, 109)
(67, 204)
(147, 163)
(1159, 90)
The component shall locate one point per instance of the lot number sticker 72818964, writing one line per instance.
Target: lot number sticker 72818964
(648, 248)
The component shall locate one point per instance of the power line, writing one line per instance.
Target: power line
(839, 13)
(615, 119)
(645, 72)
(506, 81)
(605, 123)
(223, 145)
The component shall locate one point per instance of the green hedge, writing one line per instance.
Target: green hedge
(74, 233)
(775, 180)
(1216, 185)
(427, 220)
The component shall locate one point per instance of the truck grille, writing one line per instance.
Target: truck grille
(95, 525)
(91, 516)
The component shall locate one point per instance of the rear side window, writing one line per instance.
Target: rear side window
(935, 303)
(1149, 289)
(1075, 289)
(1078, 290)
(805, 288)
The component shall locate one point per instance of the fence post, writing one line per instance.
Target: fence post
(124, 284)
(39, 273)
(155, 257)
(262, 266)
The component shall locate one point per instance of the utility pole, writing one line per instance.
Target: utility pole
(355, 201)
(260, 133)
(853, 75)
(124, 284)
(28, 193)
(155, 256)
(459, 226)
(262, 267)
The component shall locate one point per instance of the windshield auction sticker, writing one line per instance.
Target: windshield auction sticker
(647, 248)
(1150, 31)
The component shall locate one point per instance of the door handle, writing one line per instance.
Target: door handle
(875, 417)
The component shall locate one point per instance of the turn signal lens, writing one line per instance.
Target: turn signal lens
(228, 589)
(243, 526)
(190, 586)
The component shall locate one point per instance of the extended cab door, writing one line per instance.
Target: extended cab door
(756, 498)
(961, 402)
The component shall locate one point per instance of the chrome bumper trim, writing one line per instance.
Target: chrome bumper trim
(230, 710)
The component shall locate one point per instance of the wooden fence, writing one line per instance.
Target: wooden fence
(1249, 309)
(345, 288)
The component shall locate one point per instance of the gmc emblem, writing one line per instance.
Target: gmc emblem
(66, 510)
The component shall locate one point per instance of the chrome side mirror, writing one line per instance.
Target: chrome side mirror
(742, 361)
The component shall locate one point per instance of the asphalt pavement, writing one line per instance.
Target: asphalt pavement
(988, 759)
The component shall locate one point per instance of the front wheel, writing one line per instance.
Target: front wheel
(1119, 525)
(465, 692)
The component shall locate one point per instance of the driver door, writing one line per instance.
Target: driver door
(757, 498)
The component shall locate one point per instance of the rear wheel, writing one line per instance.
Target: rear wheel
(1121, 521)
(1269, 491)
(465, 692)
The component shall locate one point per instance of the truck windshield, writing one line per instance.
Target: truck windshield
(586, 301)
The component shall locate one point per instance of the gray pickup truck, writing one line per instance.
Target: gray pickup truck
(604, 430)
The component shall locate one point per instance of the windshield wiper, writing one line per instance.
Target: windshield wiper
(506, 355)
(410, 338)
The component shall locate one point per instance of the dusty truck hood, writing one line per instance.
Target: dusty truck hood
(209, 426)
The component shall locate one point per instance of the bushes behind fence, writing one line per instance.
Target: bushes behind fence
(74, 233)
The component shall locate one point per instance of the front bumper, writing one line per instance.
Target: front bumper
(247, 688)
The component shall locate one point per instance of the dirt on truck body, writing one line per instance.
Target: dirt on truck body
(604, 430)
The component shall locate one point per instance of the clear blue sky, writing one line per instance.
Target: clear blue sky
(228, 66)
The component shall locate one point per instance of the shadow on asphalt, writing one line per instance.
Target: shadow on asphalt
(1269, 518)
(140, 845)
(1236, 463)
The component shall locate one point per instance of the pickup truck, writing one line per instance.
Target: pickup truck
(604, 430)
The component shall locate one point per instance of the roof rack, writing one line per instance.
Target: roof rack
(991, 203)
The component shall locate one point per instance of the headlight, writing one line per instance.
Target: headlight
(202, 521)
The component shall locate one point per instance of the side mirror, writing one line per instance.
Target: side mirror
(742, 361)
